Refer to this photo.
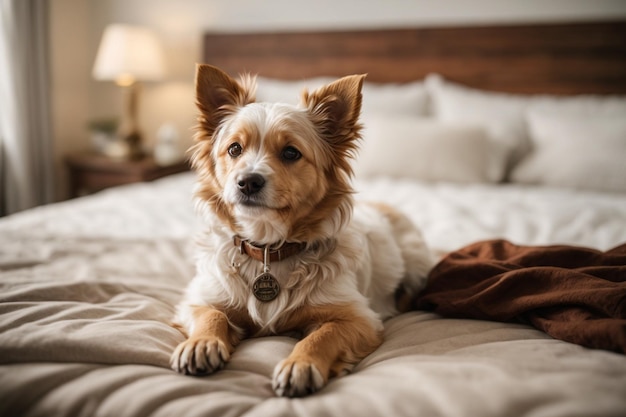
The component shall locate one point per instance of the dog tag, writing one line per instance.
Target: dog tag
(265, 287)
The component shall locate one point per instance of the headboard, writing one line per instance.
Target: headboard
(543, 58)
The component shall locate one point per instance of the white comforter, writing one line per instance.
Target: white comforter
(88, 288)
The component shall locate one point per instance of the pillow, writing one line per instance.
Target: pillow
(409, 98)
(584, 106)
(574, 151)
(501, 114)
(424, 149)
(271, 90)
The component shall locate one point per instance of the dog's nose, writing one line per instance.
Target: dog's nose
(250, 183)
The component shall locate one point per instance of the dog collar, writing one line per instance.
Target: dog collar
(285, 250)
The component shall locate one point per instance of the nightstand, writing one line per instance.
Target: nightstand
(89, 173)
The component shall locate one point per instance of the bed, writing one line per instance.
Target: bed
(507, 135)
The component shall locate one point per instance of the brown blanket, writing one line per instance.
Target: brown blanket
(572, 293)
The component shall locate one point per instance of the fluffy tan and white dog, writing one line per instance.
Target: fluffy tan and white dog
(286, 248)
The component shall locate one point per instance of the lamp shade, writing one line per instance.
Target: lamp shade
(128, 54)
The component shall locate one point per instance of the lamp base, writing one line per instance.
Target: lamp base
(124, 147)
(128, 133)
(133, 142)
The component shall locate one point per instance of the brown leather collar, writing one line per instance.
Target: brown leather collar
(286, 250)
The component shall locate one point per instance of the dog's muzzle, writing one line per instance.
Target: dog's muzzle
(250, 184)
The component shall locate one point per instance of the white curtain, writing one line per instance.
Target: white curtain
(26, 160)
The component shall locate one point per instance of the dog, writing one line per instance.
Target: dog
(286, 248)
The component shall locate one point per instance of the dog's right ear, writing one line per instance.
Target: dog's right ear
(218, 95)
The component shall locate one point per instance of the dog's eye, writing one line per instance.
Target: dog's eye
(290, 154)
(235, 150)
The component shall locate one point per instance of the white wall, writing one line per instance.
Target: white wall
(78, 24)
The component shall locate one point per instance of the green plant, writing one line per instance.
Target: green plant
(108, 126)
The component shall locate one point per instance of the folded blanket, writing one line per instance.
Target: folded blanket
(572, 293)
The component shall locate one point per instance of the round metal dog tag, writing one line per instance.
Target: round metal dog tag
(265, 287)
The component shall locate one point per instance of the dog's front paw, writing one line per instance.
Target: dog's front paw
(296, 378)
(199, 356)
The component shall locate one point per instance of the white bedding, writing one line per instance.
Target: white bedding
(88, 288)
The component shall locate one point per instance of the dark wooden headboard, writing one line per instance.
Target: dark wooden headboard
(542, 58)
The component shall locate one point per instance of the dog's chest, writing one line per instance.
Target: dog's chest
(263, 281)
(269, 292)
(324, 276)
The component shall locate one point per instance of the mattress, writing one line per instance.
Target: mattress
(89, 286)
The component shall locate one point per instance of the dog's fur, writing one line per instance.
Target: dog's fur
(358, 260)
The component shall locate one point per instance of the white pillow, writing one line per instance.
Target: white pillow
(575, 151)
(501, 114)
(408, 99)
(271, 90)
(584, 106)
(424, 149)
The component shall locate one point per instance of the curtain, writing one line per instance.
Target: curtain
(26, 160)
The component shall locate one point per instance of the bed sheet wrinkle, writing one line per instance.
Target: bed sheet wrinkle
(68, 291)
(86, 394)
(160, 260)
(384, 390)
(452, 215)
(437, 336)
(19, 396)
(121, 342)
(274, 348)
(102, 317)
(216, 396)
(124, 212)
(219, 404)
(497, 382)
(73, 318)
(93, 295)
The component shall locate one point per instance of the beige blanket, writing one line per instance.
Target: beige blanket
(87, 289)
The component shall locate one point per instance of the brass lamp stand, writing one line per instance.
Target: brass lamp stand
(128, 131)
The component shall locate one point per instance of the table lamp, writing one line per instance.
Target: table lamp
(127, 55)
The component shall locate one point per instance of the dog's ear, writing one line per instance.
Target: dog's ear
(217, 95)
(336, 107)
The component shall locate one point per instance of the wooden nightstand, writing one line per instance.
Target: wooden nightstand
(89, 173)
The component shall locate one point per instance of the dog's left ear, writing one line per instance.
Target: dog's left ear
(218, 95)
(336, 108)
